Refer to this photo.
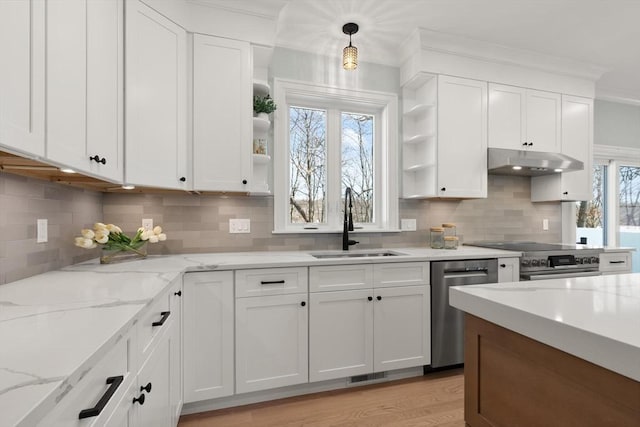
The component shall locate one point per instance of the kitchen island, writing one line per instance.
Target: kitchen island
(552, 352)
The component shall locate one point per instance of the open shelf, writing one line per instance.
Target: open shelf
(261, 159)
(416, 139)
(261, 87)
(417, 167)
(260, 125)
(418, 109)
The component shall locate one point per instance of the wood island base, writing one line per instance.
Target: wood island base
(512, 380)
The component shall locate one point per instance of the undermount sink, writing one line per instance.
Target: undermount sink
(355, 254)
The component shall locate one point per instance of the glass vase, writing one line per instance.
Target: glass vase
(113, 256)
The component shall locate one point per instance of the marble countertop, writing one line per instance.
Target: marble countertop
(594, 318)
(56, 325)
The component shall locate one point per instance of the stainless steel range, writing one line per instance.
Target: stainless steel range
(550, 261)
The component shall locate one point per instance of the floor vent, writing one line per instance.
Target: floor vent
(366, 378)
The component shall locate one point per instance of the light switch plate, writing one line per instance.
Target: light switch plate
(239, 225)
(545, 224)
(147, 223)
(42, 232)
(408, 224)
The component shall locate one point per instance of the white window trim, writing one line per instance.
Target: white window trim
(384, 105)
(612, 157)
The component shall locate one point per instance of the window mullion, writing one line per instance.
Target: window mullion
(334, 161)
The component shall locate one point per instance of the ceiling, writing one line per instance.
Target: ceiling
(600, 32)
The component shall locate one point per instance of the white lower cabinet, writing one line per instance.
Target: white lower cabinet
(381, 328)
(340, 334)
(271, 342)
(508, 270)
(208, 335)
(154, 381)
(615, 263)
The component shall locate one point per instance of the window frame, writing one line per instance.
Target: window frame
(384, 107)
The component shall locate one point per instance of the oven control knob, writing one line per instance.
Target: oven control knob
(525, 262)
(543, 263)
(586, 260)
(594, 260)
(579, 260)
(534, 262)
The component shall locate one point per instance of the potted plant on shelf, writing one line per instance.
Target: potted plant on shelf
(263, 106)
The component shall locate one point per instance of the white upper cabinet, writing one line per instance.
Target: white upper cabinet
(462, 137)
(156, 100)
(84, 86)
(222, 116)
(22, 76)
(444, 133)
(523, 118)
(577, 142)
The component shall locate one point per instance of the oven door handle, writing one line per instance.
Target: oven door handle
(534, 276)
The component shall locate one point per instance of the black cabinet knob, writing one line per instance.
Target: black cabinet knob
(97, 159)
(378, 297)
(139, 400)
(531, 144)
(179, 293)
(370, 298)
(566, 193)
(503, 265)
(183, 179)
(244, 181)
(524, 144)
(146, 388)
(303, 303)
(443, 189)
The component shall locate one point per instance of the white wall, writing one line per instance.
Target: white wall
(616, 124)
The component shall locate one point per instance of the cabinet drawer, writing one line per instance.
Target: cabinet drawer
(92, 388)
(152, 323)
(615, 262)
(400, 274)
(340, 277)
(271, 281)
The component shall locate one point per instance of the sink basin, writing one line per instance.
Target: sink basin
(355, 254)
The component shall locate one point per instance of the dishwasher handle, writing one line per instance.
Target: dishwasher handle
(465, 272)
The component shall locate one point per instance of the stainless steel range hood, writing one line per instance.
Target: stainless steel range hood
(502, 161)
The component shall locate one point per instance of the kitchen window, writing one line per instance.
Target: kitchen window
(612, 217)
(327, 139)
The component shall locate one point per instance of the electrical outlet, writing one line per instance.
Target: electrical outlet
(408, 224)
(147, 223)
(42, 234)
(239, 225)
(545, 224)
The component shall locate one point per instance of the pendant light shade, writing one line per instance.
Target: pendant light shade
(350, 53)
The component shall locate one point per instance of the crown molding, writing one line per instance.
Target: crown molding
(614, 96)
(425, 39)
(612, 152)
(266, 9)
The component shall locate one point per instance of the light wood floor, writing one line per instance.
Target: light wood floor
(435, 399)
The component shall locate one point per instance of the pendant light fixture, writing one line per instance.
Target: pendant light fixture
(350, 53)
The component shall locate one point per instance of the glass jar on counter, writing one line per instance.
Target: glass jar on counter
(449, 229)
(450, 242)
(437, 237)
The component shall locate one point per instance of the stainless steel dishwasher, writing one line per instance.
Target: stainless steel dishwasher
(447, 323)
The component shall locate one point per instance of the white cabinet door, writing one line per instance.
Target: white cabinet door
(462, 137)
(507, 117)
(402, 328)
(22, 76)
(156, 99)
(508, 269)
(271, 342)
(340, 334)
(154, 381)
(208, 335)
(222, 117)
(84, 86)
(543, 121)
(577, 142)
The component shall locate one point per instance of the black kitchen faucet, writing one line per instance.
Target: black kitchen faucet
(348, 220)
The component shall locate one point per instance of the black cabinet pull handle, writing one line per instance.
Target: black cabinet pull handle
(303, 303)
(165, 316)
(97, 159)
(114, 383)
(370, 298)
(146, 388)
(271, 282)
(179, 293)
(244, 181)
(616, 262)
(139, 400)
(183, 179)
(378, 297)
(503, 265)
